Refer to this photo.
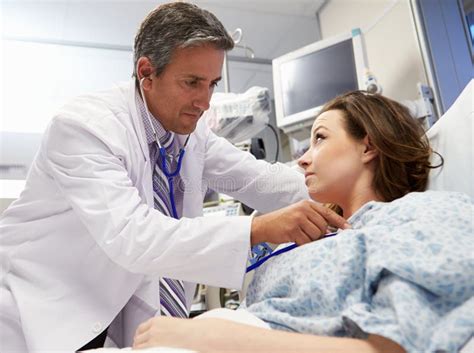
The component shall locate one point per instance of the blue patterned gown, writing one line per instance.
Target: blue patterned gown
(405, 271)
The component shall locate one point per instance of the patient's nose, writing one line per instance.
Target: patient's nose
(304, 160)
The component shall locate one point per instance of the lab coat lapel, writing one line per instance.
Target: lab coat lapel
(136, 120)
(139, 129)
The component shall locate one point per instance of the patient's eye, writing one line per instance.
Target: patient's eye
(318, 137)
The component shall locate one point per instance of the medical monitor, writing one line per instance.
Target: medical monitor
(305, 79)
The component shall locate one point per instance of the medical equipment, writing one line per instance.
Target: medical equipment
(305, 79)
(227, 210)
(170, 175)
(209, 297)
(262, 260)
(423, 107)
(238, 117)
(371, 84)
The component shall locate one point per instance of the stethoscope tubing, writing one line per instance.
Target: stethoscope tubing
(278, 252)
(170, 176)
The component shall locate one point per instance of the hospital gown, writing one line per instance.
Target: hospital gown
(405, 271)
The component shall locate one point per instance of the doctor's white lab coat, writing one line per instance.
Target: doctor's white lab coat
(83, 237)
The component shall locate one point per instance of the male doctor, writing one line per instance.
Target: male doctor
(102, 238)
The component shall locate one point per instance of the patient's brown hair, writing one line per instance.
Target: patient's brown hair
(403, 161)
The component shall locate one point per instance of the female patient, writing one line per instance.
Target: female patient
(402, 279)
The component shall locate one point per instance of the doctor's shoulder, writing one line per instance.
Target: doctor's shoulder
(96, 108)
(93, 117)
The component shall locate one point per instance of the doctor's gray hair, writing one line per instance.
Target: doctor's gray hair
(177, 25)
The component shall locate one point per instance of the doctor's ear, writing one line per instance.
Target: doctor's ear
(369, 152)
(145, 69)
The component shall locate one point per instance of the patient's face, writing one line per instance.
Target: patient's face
(333, 164)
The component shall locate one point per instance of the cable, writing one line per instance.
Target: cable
(374, 23)
(280, 251)
(276, 253)
(277, 143)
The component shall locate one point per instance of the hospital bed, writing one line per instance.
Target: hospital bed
(452, 137)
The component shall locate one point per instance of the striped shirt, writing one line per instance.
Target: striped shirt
(153, 148)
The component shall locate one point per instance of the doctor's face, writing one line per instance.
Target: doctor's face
(334, 162)
(180, 94)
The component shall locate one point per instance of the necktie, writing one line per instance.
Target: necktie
(172, 299)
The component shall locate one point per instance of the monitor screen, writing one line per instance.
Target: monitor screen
(312, 80)
(305, 79)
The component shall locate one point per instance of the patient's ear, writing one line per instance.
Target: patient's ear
(370, 152)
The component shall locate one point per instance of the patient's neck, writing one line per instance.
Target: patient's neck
(357, 200)
(359, 192)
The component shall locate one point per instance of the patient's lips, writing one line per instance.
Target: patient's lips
(307, 178)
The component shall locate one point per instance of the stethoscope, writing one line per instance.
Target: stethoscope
(278, 252)
(164, 168)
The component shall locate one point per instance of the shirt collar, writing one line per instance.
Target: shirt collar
(160, 130)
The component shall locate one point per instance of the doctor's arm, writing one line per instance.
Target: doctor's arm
(273, 188)
(98, 170)
(217, 335)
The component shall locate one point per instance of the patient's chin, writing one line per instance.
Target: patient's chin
(318, 196)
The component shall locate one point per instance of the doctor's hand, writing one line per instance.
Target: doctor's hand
(300, 223)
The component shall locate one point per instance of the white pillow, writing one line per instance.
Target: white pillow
(452, 137)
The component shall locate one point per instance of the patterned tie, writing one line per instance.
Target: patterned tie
(172, 299)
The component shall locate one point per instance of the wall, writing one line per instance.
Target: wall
(56, 72)
(392, 47)
(4, 203)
